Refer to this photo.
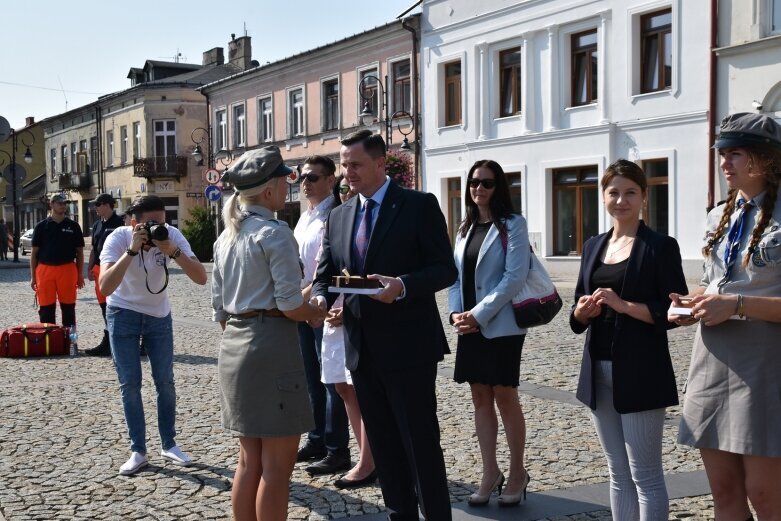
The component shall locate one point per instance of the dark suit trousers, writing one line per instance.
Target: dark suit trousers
(399, 411)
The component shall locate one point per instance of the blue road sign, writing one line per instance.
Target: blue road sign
(213, 193)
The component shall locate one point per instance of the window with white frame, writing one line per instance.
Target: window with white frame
(239, 127)
(123, 145)
(330, 99)
(74, 151)
(94, 153)
(575, 208)
(370, 93)
(266, 120)
(656, 51)
(402, 87)
(510, 82)
(453, 93)
(165, 138)
(583, 52)
(109, 148)
(656, 209)
(296, 112)
(83, 157)
(137, 139)
(64, 164)
(53, 161)
(221, 136)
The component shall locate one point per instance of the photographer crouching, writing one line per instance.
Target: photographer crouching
(134, 278)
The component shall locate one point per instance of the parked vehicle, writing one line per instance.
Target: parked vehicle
(26, 241)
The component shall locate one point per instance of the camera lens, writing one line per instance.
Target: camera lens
(158, 232)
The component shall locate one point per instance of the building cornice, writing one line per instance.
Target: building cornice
(663, 121)
(756, 45)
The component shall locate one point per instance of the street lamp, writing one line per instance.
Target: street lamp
(198, 136)
(368, 117)
(28, 158)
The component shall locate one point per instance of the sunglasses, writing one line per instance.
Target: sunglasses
(344, 189)
(312, 178)
(488, 184)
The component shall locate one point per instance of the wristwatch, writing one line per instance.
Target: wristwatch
(176, 253)
(131, 252)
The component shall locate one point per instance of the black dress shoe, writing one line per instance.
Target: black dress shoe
(331, 464)
(343, 482)
(310, 452)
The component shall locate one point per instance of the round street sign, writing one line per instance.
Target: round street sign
(212, 193)
(212, 176)
(21, 173)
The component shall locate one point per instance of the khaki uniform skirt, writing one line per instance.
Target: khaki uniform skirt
(263, 389)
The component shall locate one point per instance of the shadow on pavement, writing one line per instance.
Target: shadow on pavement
(195, 360)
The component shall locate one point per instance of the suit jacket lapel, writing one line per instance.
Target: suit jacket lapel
(632, 276)
(389, 209)
(491, 236)
(347, 226)
(591, 260)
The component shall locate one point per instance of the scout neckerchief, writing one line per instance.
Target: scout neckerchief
(734, 238)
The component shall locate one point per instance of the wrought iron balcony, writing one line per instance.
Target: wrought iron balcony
(160, 166)
(75, 182)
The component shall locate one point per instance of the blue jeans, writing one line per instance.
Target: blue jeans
(331, 430)
(125, 329)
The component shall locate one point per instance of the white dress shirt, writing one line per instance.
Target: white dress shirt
(309, 235)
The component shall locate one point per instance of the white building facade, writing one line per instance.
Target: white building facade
(556, 90)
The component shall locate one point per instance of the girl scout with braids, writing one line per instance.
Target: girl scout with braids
(732, 410)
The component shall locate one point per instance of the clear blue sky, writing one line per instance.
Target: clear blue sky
(86, 47)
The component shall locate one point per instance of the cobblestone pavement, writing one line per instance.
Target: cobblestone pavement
(62, 434)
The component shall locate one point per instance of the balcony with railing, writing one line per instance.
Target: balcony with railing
(160, 166)
(75, 182)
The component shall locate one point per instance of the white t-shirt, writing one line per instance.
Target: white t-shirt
(132, 292)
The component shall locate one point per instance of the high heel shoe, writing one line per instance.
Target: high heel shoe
(511, 500)
(478, 500)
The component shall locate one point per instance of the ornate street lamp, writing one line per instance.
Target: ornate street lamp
(366, 91)
(15, 188)
(198, 136)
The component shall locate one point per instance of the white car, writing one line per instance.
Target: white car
(26, 241)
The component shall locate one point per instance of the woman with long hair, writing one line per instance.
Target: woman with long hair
(492, 254)
(256, 297)
(335, 372)
(732, 410)
(626, 374)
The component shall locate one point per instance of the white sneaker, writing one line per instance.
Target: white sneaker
(136, 462)
(176, 456)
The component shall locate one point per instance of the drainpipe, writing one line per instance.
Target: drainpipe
(415, 88)
(99, 126)
(712, 93)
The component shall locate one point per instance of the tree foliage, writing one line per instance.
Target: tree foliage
(200, 232)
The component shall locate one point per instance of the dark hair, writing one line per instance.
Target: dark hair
(770, 158)
(336, 190)
(626, 169)
(501, 204)
(145, 203)
(373, 143)
(329, 168)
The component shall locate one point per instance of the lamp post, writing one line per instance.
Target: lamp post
(198, 136)
(28, 158)
(368, 117)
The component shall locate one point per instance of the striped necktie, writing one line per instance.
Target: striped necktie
(363, 235)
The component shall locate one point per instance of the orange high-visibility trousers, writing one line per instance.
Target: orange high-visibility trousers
(96, 275)
(56, 283)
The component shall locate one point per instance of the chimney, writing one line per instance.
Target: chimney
(240, 52)
(213, 57)
(29, 121)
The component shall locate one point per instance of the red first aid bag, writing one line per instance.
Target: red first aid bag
(34, 340)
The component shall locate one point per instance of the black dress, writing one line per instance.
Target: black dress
(481, 360)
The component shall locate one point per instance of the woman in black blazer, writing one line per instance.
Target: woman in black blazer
(626, 376)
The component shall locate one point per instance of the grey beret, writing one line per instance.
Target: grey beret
(256, 167)
(746, 129)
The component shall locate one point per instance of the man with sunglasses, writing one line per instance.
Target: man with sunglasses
(108, 222)
(328, 442)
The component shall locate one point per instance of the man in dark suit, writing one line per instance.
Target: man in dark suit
(394, 339)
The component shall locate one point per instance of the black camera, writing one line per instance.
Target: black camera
(156, 231)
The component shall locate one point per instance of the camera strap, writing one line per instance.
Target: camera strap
(146, 281)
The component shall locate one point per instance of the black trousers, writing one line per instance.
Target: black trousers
(399, 410)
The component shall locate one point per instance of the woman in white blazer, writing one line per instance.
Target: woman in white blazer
(492, 255)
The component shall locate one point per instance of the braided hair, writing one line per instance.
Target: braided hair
(770, 159)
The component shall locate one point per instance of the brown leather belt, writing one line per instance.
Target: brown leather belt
(258, 312)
